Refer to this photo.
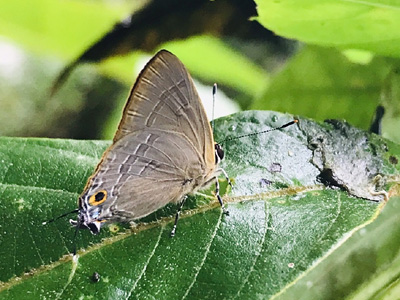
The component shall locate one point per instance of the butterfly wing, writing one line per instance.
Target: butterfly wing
(164, 97)
(163, 148)
(144, 171)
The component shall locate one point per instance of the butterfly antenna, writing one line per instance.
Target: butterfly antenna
(214, 91)
(260, 132)
(59, 217)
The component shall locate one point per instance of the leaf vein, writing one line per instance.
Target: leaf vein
(34, 245)
(65, 152)
(333, 221)
(258, 255)
(205, 257)
(31, 187)
(147, 263)
(70, 277)
(107, 262)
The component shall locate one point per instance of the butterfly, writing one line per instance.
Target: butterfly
(163, 150)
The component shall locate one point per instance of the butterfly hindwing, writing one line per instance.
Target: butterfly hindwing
(141, 162)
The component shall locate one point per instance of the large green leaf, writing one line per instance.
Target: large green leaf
(281, 218)
(370, 25)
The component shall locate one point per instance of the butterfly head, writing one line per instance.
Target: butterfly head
(90, 208)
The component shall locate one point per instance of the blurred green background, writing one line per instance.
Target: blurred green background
(319, 59)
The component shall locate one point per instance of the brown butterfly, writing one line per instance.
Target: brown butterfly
(163, 150)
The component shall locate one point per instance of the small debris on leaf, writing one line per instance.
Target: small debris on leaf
(393, 160)
(264, 182)
(275, 168)
(95, 277)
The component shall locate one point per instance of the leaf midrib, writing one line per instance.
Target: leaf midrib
(161, 222)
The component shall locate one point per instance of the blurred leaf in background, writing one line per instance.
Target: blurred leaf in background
(324, 82)
(35, 36)
(219, 41)
(390, 98)
(239, 75)
(345, 89)
(368, 25)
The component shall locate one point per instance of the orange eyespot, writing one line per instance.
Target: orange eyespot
(98, 198)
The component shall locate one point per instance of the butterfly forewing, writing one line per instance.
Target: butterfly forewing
(164, 97)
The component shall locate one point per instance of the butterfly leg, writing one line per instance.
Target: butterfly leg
(177, 215)
(224, 210)
(226, 177)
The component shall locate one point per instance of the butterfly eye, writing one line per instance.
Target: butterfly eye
(98, 198)
(219, 153)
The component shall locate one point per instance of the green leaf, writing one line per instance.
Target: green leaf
(373, 249)
(73, 23)
(369, 25)
(323, 84)
(281, 218)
